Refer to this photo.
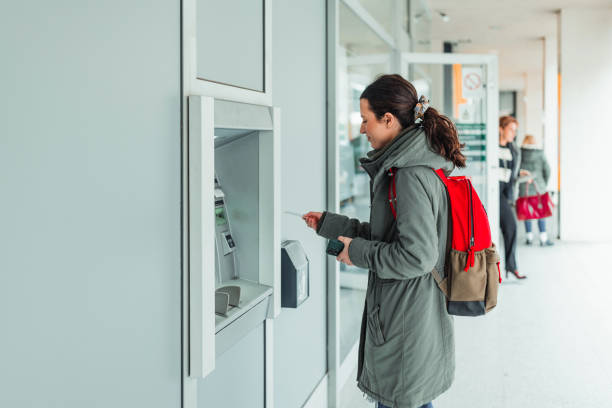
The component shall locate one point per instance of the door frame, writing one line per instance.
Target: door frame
(492, 127)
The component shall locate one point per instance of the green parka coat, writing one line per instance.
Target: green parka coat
(406, 347)
(534, 161)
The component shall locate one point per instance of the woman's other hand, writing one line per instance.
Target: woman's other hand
(344, 255)
(312, 219)
(524, 173)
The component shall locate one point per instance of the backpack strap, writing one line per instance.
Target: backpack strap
(442, 176)
(392, 195)
(393, 192)
(442, 283)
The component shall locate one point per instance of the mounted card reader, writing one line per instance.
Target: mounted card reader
(295, 271)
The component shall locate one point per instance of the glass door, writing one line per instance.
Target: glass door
(362, 56)
(354, 186)
(464, 87)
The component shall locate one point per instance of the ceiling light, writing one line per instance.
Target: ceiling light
(444, 16)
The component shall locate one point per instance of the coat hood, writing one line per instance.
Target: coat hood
(410, 148)
(531, 154)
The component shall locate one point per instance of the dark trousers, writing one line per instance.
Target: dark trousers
(509, 231)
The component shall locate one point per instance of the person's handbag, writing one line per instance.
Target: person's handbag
(534, 207)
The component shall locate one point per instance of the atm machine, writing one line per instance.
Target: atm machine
(227, 296)
(234, 264)
(233, 224)
(233, 296)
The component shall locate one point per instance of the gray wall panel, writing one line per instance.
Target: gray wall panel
(230, 42)
(298, 53)
(238, 379)
(299, 89)
(90, 209)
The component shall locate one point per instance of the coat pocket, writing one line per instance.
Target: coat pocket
(374, 328)
(383, 359)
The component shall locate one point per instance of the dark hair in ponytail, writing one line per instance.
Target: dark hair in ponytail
(393, 94)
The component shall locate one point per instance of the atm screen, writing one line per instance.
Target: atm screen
(220, 218)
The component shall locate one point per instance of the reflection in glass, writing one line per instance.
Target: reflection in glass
(362, 57)
(419, 25)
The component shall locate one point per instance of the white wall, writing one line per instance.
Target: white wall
(299, 335)
(586, 135)
(511, 82)
(551, 108)
(534, 111)
(300, 347)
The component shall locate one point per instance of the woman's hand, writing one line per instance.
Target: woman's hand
(312, 219)
(344, 255)
(524, 173)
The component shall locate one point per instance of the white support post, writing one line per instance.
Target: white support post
(269, 363)
(356, 7)
(492, 146)
(333, 273)
(551, 108)
(399, 36)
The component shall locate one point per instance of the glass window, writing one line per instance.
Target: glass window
(420, 25)
(381, 11)
(363, 56)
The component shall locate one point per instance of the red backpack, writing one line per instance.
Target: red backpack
(471, 270)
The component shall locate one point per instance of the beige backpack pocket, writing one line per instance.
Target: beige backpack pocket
(471, 291)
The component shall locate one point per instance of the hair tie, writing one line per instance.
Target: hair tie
(420, 108)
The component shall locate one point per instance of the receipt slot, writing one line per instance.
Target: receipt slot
(295, 275)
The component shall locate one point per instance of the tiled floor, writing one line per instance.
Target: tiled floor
(548, 344)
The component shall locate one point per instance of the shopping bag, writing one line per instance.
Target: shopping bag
(534, 207)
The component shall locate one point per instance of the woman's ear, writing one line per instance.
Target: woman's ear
(389, 120)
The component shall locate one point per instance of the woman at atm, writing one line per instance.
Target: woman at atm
(406, 350)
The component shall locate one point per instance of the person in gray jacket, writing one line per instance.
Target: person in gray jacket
(406, 347)
(534, 161)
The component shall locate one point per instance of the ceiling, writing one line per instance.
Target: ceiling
(514, 30)
(357, 37)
